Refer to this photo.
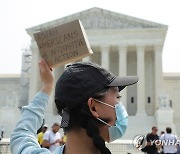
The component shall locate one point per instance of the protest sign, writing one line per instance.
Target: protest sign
(63, 44)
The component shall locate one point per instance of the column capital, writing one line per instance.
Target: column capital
(140, 48)
(105, 47)
(158, 48)
(122, 48)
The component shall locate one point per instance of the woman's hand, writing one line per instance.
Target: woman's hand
(46, 77)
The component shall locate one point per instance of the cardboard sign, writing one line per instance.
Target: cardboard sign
(63, 44)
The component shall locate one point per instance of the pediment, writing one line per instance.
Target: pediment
(97, 18)
(100, 18)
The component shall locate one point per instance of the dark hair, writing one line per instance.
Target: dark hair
(154, 127)
(56, 124)
(162, 132)
(168, 130)
(39, 130)
(82, 117)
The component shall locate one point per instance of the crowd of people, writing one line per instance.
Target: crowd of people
(51, 139)
(165, 143)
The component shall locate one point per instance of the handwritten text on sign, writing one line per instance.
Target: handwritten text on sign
(61, 43)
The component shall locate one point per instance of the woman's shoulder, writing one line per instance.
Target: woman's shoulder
(60, 150)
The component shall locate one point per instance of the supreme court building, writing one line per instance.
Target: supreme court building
(126, 46)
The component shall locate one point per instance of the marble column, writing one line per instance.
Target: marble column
(141, 84)
(158, 74)
(123, 70)
(105, 56)
(57, 73)
(35, 80)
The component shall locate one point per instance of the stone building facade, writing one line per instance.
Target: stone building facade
(9, 99)
(126, 46)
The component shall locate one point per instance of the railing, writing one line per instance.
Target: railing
(123, 147)
(118, 147)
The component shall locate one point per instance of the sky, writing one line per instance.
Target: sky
(18, 15)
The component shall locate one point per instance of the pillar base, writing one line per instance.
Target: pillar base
(164, 115)
(164, 118)
(141, 114)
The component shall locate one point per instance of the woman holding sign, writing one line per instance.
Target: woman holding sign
(87, 98)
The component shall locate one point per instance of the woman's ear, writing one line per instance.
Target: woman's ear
(92, 107)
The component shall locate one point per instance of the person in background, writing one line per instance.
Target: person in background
(170, 139)
(41, 134)
(39, 130)
(178, 149)
(2, 132)
(152, 148)
(64, 138)
(162, 132)
(161, 147)
(52, 138)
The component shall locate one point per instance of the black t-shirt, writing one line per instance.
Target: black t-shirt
(152, 148)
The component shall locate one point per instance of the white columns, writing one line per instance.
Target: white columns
(105, 57)
(123, 70)
(158, 74)
(57, 73)
(35, 80)
(141, 83)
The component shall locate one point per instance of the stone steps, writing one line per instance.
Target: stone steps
(140, 124)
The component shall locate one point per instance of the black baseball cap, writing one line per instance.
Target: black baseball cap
(81, 80)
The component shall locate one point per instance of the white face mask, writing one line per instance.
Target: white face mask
(117, 131)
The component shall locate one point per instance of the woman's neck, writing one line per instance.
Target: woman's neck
(79, 143)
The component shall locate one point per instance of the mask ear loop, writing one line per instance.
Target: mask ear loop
(104, 122)
(104, 103)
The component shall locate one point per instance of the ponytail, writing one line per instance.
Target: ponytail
(82, 117)
(88, 122)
